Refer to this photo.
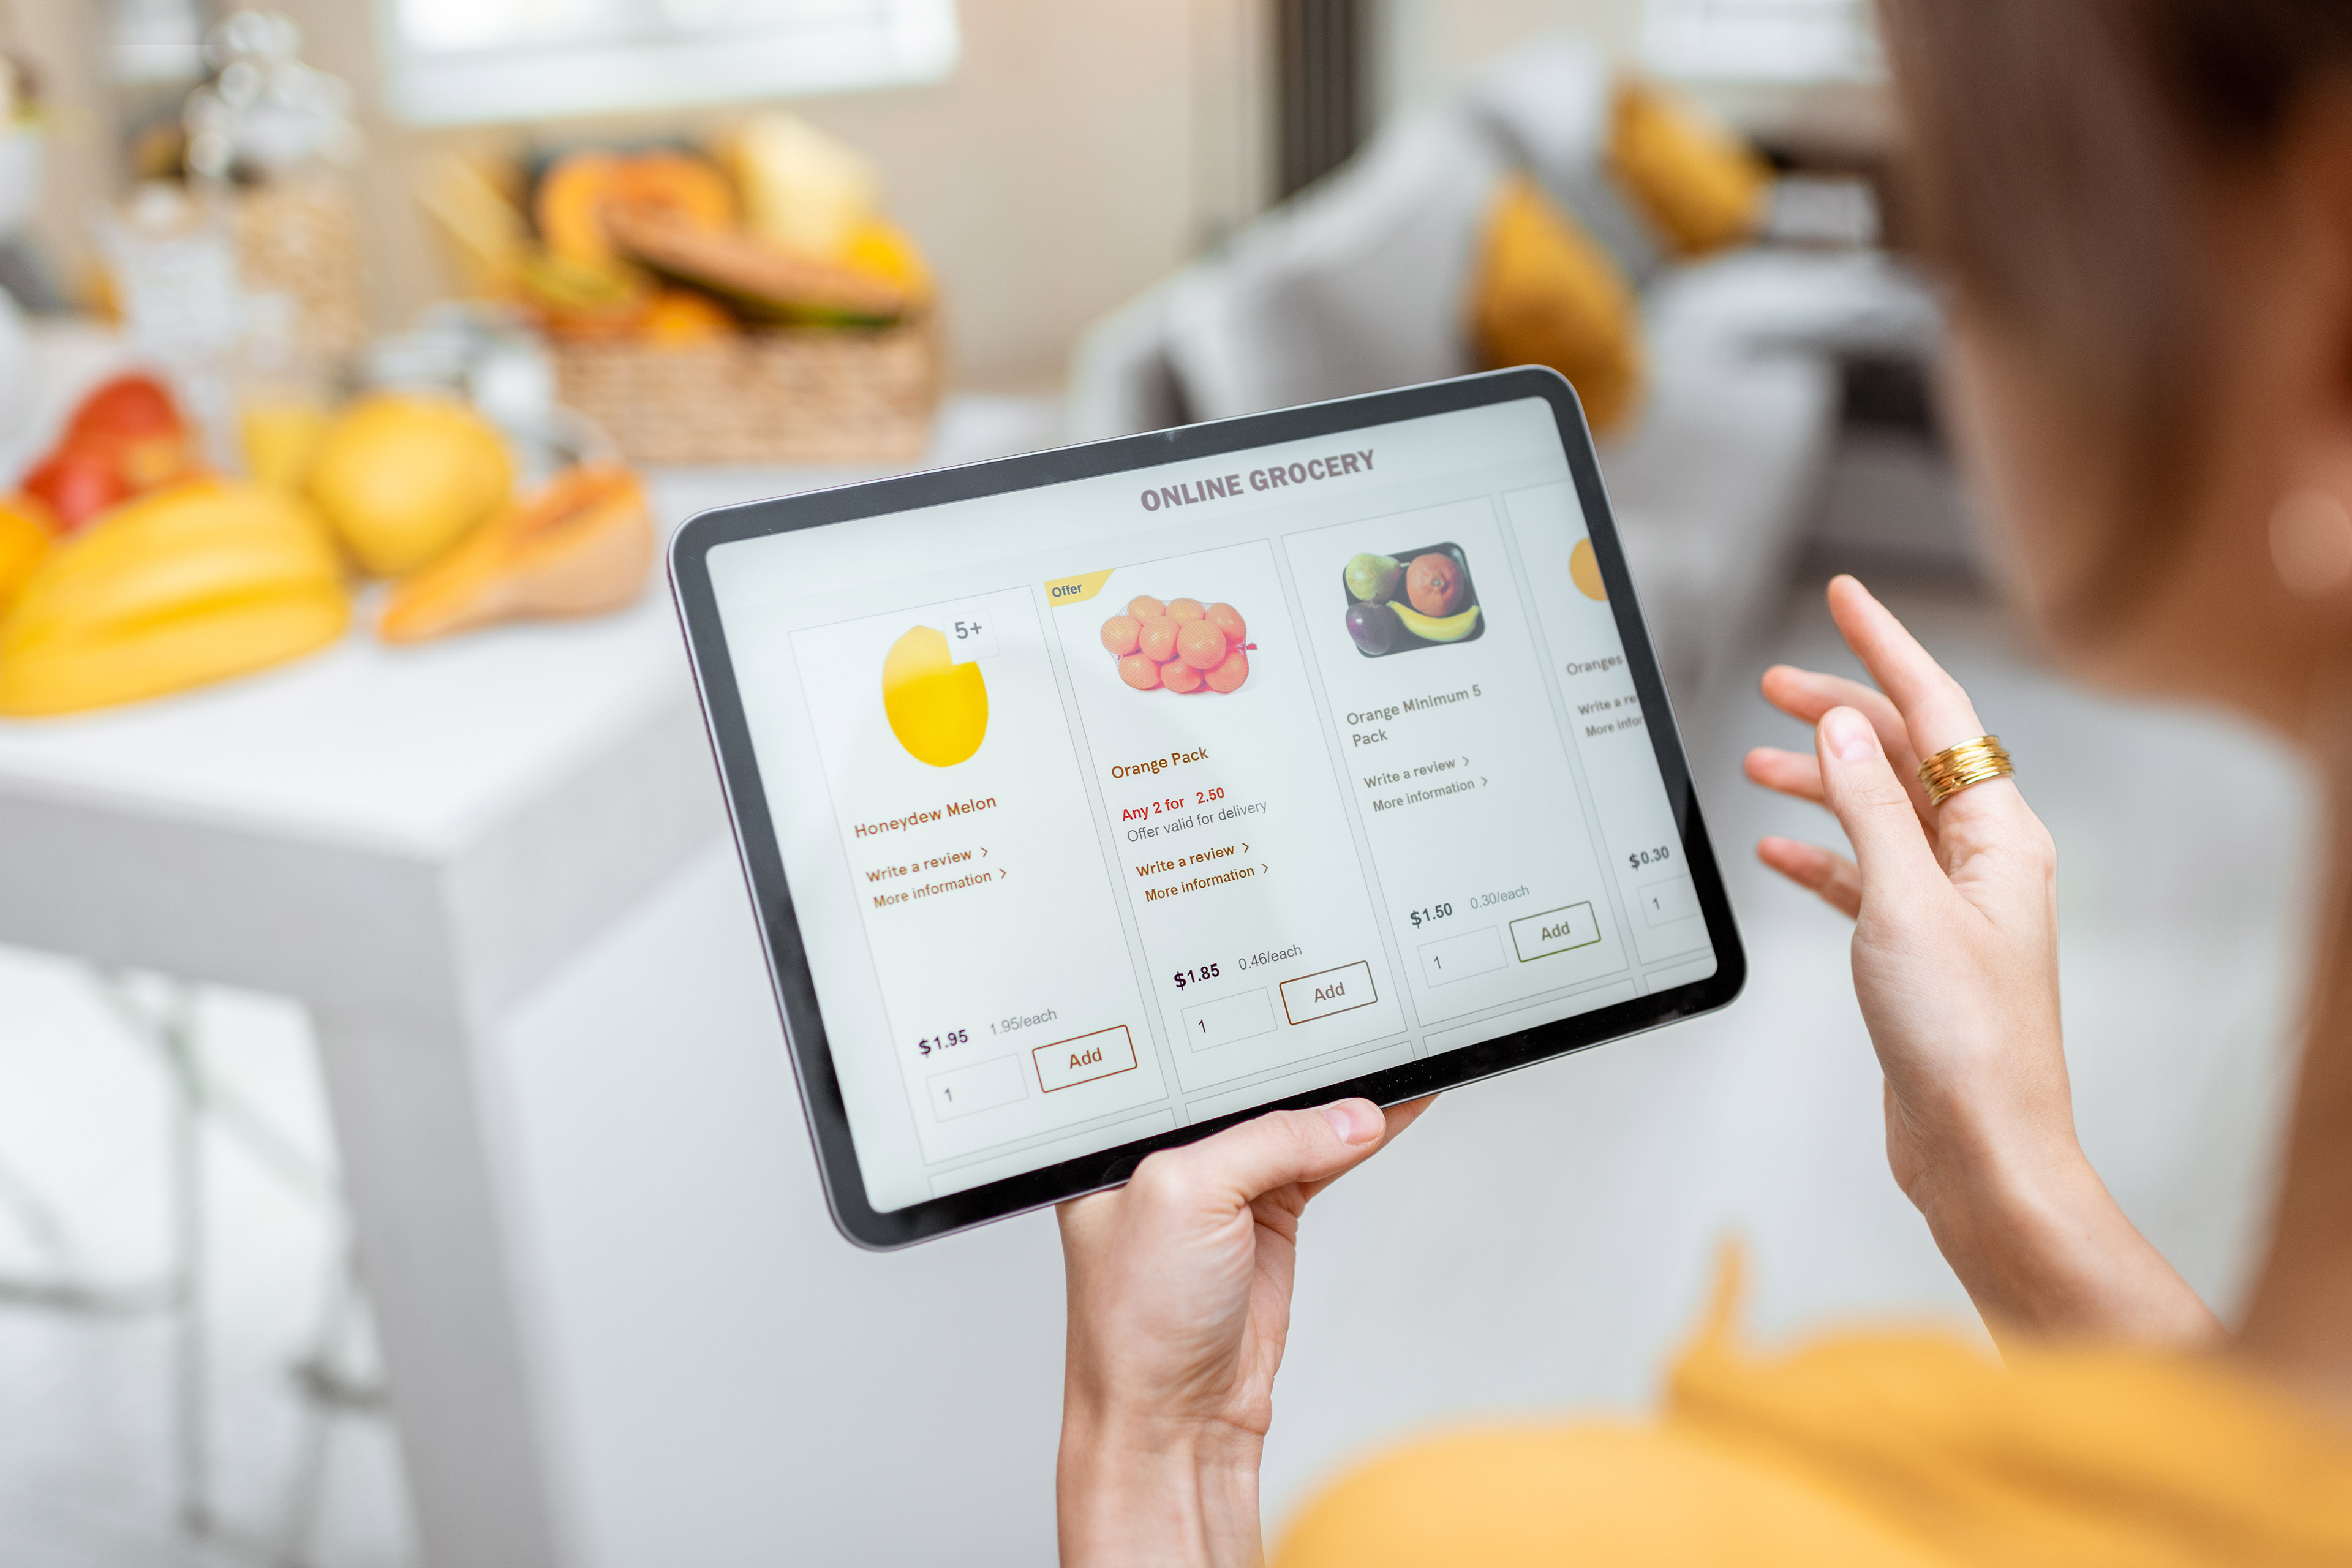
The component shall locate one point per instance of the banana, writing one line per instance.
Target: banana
(187, 584)
(1430, 628)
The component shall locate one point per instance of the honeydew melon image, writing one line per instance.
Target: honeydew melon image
(937, 707)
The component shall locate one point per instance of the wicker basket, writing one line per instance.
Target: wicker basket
(810, 395)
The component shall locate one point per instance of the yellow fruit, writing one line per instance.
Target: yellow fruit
(277, 441)
(937, 707)
(580, 188)
(802, 191)
(569, 206)
(882, 250)
(1450, 628)
(575, 300)
(402, 478)
(25, 534)
(678, 317)
(186, 584)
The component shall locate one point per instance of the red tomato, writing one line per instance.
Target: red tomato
(133, 423)
(78, 483)
(127, 406)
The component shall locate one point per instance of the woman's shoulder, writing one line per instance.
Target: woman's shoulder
(1597, 1493)
(1891, 1446)
(2129, 1453)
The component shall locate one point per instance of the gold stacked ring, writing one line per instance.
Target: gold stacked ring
(1956, 768)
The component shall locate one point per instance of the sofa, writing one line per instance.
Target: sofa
(1360, 283)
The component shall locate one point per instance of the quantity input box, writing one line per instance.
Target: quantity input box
(1229, 1018)
(984, 1087)
(1460, 957)
(1667, 902)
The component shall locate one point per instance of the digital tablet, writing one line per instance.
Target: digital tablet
(1093, 800)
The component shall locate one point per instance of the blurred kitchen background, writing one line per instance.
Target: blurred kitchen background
(398, 1160)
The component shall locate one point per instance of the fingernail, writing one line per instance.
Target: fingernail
(1848, 734)
(1355, 1121)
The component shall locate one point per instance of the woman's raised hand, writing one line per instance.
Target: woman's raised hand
(1179, 1305)
(1956, 966)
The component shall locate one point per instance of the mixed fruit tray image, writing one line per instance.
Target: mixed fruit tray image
(1413, 599)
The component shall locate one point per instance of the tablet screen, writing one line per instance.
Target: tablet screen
(1112, 805)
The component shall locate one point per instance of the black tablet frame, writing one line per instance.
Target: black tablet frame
(755, 839)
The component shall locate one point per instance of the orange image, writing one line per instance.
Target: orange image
(1181, 645)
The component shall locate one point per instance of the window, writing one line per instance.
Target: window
(459, 61)
(1762, 41)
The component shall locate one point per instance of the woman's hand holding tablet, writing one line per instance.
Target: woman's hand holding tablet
(1180, 1303)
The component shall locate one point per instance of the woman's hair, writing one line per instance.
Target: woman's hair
(2061, 155)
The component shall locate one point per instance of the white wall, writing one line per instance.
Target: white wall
(1052, 175)
(1424, 47)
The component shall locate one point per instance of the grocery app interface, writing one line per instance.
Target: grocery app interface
(1114, 806)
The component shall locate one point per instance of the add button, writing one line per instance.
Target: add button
(1084, 1060)
(1332, 991)
(1554, 931)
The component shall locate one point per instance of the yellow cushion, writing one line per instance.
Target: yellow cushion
(1700, 186)
(1543, 292)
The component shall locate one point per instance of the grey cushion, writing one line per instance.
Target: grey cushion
(1547, 105)
(1357, 285)
(1122, 376)
(1710, 493)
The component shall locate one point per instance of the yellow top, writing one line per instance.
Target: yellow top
(1890, 1449)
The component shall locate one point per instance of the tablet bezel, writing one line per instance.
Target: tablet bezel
(755, 839)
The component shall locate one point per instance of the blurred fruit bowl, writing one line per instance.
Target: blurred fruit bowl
(776, 224)
(126, 571)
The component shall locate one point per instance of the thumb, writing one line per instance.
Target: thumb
(1859, 784)
(1276, 1150)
